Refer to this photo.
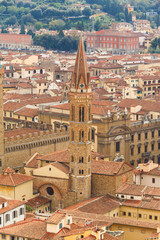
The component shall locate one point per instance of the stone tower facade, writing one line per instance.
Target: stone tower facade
(1, 121)
(80, 97)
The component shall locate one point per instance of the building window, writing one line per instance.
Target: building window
(132, 151)
(80, 159)
(158, 145)
(68, 221)
(139, 215)
(7, 217)
(3, 236)
(124, 213)
(89, 158)
(152, 146)
(132, 138)
(73, 113)
(150, 216)
(117, 146)
(72, 159)
(81, 136)
(50, 191)
(139, 136)
(81, 114)
(153, 180)
(146, 135)
(158, 133)
(14, 214)
(129, 214)
(93, 133)
(139, 149)
(81, 171)
(155, 218)
(145, 148)
(60, 225)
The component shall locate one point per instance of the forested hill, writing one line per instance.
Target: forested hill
(64, 14)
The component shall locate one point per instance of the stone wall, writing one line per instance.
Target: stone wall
(20, 148)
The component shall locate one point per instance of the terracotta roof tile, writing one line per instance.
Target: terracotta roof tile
(37, 201)
(13, 179)
(56, 217)
(30, 228)
(58, 156)
(106, 167)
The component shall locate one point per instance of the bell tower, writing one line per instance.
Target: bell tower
(80, 97)
(1, 121)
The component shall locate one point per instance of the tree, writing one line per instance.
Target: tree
(22, 29)
(61, 34)
(87, 11)
(20, 4)
(36, 13)
(3, 30)
(11, 21)
(38, 25)
(97, 25)
(56, 24)
(27, 19)
(30, 32)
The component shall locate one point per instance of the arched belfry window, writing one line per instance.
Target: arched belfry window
(73, 113)
(81, 136)
(81, 114)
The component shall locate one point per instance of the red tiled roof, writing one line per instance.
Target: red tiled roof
(37, 201)
(12, 106)
(58, 156)
(30, 228)
(10, 178)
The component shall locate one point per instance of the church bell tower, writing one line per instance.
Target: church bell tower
(80, 97)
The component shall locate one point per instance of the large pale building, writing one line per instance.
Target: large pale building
(113, 42)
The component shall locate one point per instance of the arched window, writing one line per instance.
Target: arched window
(80, 159)
(81, 136)
(81, 114)
(72, 135)
(73, 113)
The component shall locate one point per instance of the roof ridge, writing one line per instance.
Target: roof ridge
(12, 179)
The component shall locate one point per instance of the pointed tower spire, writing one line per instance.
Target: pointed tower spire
(81, 75)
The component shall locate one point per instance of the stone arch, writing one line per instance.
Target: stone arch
(123, 127)
(56, 197)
